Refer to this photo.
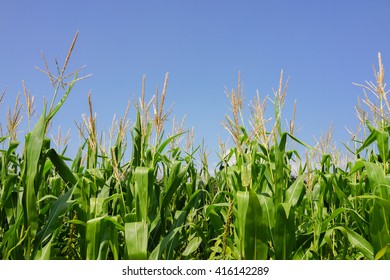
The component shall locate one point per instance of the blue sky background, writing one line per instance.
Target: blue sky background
(323, 46)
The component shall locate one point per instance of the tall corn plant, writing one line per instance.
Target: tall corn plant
(376, 170)
(260, 180)
(27, 235)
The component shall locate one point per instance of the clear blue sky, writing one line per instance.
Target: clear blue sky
(323, 46)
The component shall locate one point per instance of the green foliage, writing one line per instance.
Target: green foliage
(159, 204)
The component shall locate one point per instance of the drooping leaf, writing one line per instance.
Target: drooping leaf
(192, 246)
(358, 242)
(58, 209)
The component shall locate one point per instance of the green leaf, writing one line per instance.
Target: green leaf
(33, 150)
(193, 200)
(268, 213)
(284, 232)
(192, 246)
(380, 220)
(164, 144)
(3, 138)
(369, 140)
(45, 252)
(143, 184)
(216, 221)
(173, 182)
(382, 139)
(57, 209)
(358, 242)
(136, 235)
(295, 191)
(171, 241)
(179, 222)
(102, 235)
(136, 134)
(253, 227)
(61, 167)
(334, 214)
(359, 164)
(7, 188)
(157, 252)
(97, 207)
(54, 110)
(380, 212)
(382, 252)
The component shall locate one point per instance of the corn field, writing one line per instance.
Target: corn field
(151, 196)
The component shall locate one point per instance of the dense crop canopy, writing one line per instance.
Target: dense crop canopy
(263, 201)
